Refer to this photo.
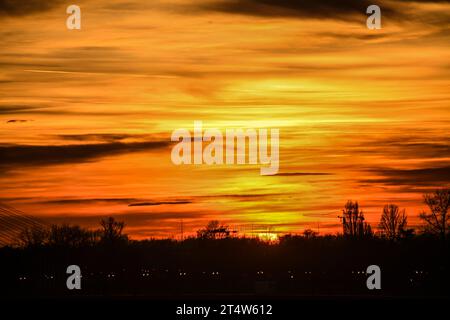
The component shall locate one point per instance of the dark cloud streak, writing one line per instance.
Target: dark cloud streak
(16, 156)
(26, 7)
(349, 10)
(157, 203)
(342, 9)
(289, 174)
(17, 121)
(432, 176)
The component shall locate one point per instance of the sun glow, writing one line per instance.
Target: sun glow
(268, 237)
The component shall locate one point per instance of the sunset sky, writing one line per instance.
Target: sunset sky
(86, 115)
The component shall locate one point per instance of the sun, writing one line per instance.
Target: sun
(268, 237)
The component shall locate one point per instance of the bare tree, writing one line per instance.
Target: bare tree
(309, 234)
(33, 237)
(393, 222)
(353, 223)
(71, 236)
(437, 220)
(214, 230)
(111, 231)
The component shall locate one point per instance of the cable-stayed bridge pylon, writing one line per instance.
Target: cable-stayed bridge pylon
(13, 222)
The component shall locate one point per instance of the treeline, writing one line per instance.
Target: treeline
(393, 226)
(110, 233)
(394, 221)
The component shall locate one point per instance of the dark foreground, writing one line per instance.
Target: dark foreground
(297, 267)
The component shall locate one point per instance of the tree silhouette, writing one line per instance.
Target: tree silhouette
(353, 223)
(71, 236)
(214, 230)
(437, 221)
(33, 237)
(111, 232)
(67, 236)
(393, 222)
(309, 233)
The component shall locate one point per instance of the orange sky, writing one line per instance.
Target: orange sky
(363, 114)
